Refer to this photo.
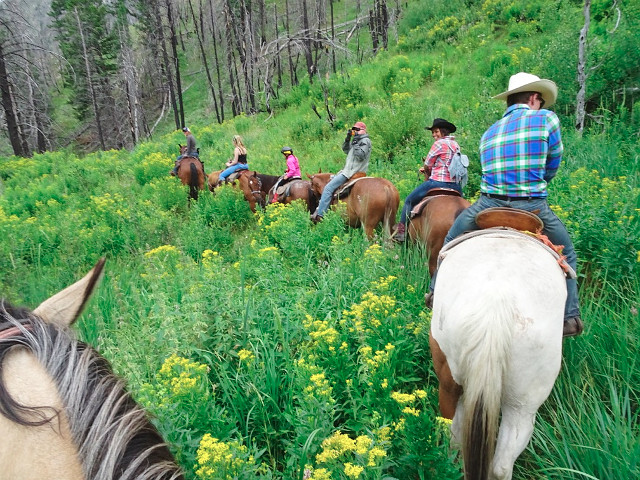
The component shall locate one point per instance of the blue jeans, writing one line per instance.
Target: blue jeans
(419, 192)
(553, 228)
(233, 168)
(327, 194)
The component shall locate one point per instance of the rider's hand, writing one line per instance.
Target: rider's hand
(349, 136)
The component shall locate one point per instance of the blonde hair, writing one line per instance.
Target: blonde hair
(237, 141)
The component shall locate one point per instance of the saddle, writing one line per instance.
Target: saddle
(509, 217)
(343, 192)
(235, 175)
(512, 222)
(434, 192)
(285, 190)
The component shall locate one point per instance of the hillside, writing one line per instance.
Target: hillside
(301, 350)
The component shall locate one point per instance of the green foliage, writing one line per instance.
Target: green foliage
(269, 347)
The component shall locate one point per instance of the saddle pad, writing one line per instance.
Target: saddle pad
(509, 217)
(346, 188)
(506, 232)
(235, 175)
(285, 190)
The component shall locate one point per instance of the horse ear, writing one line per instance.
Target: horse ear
(319, 170)
(64, 307)
(308, 176)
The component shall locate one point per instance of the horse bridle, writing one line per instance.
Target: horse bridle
(15, 331)
(256, 193)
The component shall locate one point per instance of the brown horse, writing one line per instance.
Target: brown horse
(297, 190)
(191, 172)
(251, 187)
(249, 183)
(212, 179)
(371, 201)
(432, 224)
(63, 413)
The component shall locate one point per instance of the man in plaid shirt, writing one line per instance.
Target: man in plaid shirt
(520, 154)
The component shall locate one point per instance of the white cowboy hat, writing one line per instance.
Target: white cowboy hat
(526, 82)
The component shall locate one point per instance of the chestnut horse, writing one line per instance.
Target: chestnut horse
(371, 201)
(64, 415)
(496, 342)
(432, 224)
(191, 172)
(251, 186)
(298, 190)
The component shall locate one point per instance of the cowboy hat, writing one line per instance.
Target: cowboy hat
(526, 82)
(442, 123)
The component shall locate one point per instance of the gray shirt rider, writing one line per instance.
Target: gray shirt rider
(358, 151)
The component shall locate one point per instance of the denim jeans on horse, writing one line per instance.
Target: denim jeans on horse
(327, 194)
(233, 168)
(420, 191)
(553, 228)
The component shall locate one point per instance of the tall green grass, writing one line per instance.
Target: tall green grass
(268, 347)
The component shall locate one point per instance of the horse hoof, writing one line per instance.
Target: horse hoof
(428, 300)
(572, 327)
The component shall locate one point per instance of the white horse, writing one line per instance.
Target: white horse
(64, 415)
(496, 342)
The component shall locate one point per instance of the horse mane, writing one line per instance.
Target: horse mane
(268, 181)
(113, 434)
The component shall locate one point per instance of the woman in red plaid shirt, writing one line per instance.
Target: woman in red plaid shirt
(436, 167)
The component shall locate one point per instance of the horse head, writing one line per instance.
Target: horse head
(318, 182)
(182, 148)
(254, 184)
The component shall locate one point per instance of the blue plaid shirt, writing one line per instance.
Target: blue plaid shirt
(521, 152)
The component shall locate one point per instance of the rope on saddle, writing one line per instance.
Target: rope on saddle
(506, 232)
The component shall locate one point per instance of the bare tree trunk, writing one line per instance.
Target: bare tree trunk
(176, 61)
(333, 40)
(582, 60)
(167, 66)
(85, 55)
(307, 41)
(9, 111)
(235, 100)
(278, 62)
(215, 56)
(292, 70)
(204, 60)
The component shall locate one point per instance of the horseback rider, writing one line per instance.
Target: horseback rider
(292, 173)
(357, 146)
(191, 151)
(238, 162)
(436, 166)
(520, 154)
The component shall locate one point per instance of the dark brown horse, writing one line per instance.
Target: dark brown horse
(432, 224)
(371, 201)
(297, 190)
(191, 172)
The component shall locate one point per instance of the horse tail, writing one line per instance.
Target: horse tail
(390, 210)
(486, 356)
(312, 199)
(193, 182)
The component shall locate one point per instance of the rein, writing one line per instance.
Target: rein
(14, 331)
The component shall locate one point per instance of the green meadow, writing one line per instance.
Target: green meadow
(268, 347)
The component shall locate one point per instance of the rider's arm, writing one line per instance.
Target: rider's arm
(234, 160)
